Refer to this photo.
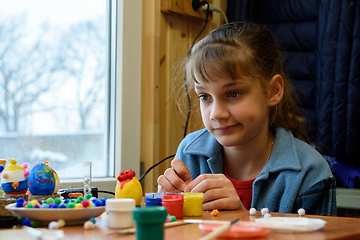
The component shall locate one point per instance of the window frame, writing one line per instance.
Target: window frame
(124, 91)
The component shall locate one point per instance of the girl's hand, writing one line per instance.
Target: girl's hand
(218, 192)
(174, 178)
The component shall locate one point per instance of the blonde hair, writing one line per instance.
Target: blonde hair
(241, 49)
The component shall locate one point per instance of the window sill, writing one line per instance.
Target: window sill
(104, 184)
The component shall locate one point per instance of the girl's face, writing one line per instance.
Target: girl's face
(234, 112)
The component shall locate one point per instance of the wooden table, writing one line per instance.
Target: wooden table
(336, 228)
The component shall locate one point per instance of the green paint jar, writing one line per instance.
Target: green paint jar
(150, 223)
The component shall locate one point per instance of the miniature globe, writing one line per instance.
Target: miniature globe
(57, 182)
(41, 180)
(57, 179)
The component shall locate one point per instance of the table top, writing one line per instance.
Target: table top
(335, 228)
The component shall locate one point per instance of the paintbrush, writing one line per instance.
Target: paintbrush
(133, 230)
(217, 232)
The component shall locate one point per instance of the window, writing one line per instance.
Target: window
(66, 96)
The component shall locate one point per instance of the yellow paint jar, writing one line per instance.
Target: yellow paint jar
(193, 204)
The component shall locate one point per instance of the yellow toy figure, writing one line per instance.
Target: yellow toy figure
(128, 187)
(14, 178)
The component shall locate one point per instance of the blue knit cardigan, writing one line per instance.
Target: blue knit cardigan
(296, 176)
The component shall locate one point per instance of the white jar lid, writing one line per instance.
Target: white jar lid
(120, 204)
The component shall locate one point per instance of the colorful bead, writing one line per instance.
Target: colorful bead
(78, 205)
(61, 222)
(26, 222)
(45, 205)
(57, 201)
(35, 224)
(88, 225)
(85, 203)
(71, 205)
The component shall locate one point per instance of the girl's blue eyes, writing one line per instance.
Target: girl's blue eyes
(204, 97)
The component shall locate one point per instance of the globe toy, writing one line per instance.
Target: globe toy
(14, 178)
(57, 179)
(41, 180)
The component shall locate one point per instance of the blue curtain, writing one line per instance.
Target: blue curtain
(320, 43)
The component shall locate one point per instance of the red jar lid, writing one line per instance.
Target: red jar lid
(170, 197)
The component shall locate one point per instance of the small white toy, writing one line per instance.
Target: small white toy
(264, 210)
(301, 212)
(267, 215)
(54, 225)
(252, 211)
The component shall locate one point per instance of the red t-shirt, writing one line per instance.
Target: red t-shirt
(243, 189)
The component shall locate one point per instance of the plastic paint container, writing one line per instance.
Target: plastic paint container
(153, 199)
(193, 204)
(174, 204)
(120, 212)
(149, 223)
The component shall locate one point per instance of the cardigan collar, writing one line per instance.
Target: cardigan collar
(205, 144)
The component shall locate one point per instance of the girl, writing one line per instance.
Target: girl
(253, 152)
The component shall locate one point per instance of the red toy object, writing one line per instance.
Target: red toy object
(129, 187)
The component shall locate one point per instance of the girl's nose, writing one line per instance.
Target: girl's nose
(218, 111)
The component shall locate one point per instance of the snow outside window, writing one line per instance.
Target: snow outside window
(58, 85)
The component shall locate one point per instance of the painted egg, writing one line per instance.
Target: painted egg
(41, 180)
(13, 178)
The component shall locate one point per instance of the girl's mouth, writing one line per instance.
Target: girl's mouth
(226, 129)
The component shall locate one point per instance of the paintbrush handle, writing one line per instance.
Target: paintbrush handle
(133, 230)
(274, 227)
(217, 232)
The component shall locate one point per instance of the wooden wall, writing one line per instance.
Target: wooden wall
(169, 28)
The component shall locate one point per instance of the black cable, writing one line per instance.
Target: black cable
(147, 171)
(185, 83)
(187, 92)
(103, 191)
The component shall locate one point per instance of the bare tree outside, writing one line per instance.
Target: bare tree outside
(84, 46)
(53, 84)
(27, 70)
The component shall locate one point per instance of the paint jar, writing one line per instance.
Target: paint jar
(153, 199)
(193, 204)
(120, 212)
(173, 202)
(149, 223)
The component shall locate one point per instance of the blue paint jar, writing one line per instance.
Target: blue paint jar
(153, 199)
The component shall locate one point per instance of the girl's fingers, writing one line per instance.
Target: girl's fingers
(221, 203)
(164, 185)
(218, 192)
(171, 181)
(161, 189)
(222, 198)
(181, 170)
(175, 178)
(204, 182)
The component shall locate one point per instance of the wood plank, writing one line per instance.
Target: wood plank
(166, 40)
